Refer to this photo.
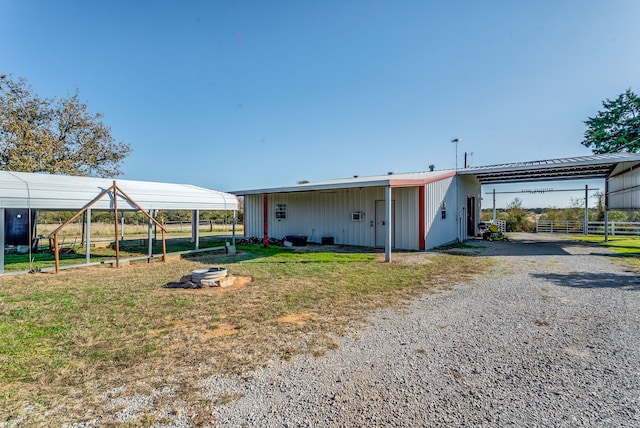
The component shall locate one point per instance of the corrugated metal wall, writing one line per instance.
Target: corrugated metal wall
(321, 214)
(440, 230)
(329, 214)
(624, 193)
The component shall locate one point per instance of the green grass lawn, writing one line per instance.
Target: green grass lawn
(128, 248)
(66, 339)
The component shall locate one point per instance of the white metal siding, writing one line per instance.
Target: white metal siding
(624, 191)
(440, 231)
(321, 214)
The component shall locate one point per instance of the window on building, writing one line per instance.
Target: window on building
(281, 211)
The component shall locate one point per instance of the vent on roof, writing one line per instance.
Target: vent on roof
(432, 167)
(390, 173)
(355, 176)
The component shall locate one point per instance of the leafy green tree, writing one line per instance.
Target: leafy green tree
(517, 217)
(617, 127)
(55, 135)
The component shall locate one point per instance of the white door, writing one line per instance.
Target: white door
(382, 223)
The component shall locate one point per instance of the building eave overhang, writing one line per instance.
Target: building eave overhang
(399, 180)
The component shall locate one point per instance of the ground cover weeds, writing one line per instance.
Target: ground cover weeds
(70, 343)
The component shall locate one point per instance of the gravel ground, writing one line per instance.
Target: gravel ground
(549, 338)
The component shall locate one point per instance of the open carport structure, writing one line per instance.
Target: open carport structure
(620, 171)
(22, 194)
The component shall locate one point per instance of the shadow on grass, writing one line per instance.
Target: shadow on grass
(592, 280)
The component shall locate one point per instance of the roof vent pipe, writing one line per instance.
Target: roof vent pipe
(390, 172)
(431, 167)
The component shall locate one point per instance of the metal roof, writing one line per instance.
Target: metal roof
(574, 168)
(62, 192)
(581, 167)
(390, 179)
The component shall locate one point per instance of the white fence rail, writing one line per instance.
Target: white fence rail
(559, 226)
(615, 228)
(593, 227)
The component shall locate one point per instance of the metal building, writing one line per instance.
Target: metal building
(425, 210)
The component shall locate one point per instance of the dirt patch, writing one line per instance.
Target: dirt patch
(221, 330)
(239, 282)
(412, 258)
(298, 318)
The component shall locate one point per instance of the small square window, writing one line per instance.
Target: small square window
(357, 216)
(281, 211)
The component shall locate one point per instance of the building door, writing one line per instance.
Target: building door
(471, 216)
(382, 223)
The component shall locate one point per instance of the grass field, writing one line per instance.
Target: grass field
(134, 244)
(68, 339)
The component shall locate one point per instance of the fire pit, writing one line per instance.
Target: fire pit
(209, 275)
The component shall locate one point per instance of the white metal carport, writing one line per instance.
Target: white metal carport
(34, 191)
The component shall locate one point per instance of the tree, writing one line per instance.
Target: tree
(55, 135)
(616, 128)
(516, 218)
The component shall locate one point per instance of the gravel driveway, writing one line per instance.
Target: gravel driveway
(549, 338)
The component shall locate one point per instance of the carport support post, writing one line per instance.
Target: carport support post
(233, 229)
(87, 240)
(195, 222)
(2, 240)
(606, 210)
(265, 219)
(494, 206)
(586, 209)
(387, 232)
(150, 237)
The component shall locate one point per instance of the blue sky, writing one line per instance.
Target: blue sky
(244, 94)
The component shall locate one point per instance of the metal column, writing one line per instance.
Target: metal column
(494, 206)
(195, 222)
(2, 240)
(606, 210)
(87, 240)
(150, 235)
(388, 237)
(586, 209)
(233, 229)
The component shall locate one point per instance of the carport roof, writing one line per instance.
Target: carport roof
(581, 167)
(62, 192)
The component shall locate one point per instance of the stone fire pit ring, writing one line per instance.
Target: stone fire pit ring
(208, 274)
